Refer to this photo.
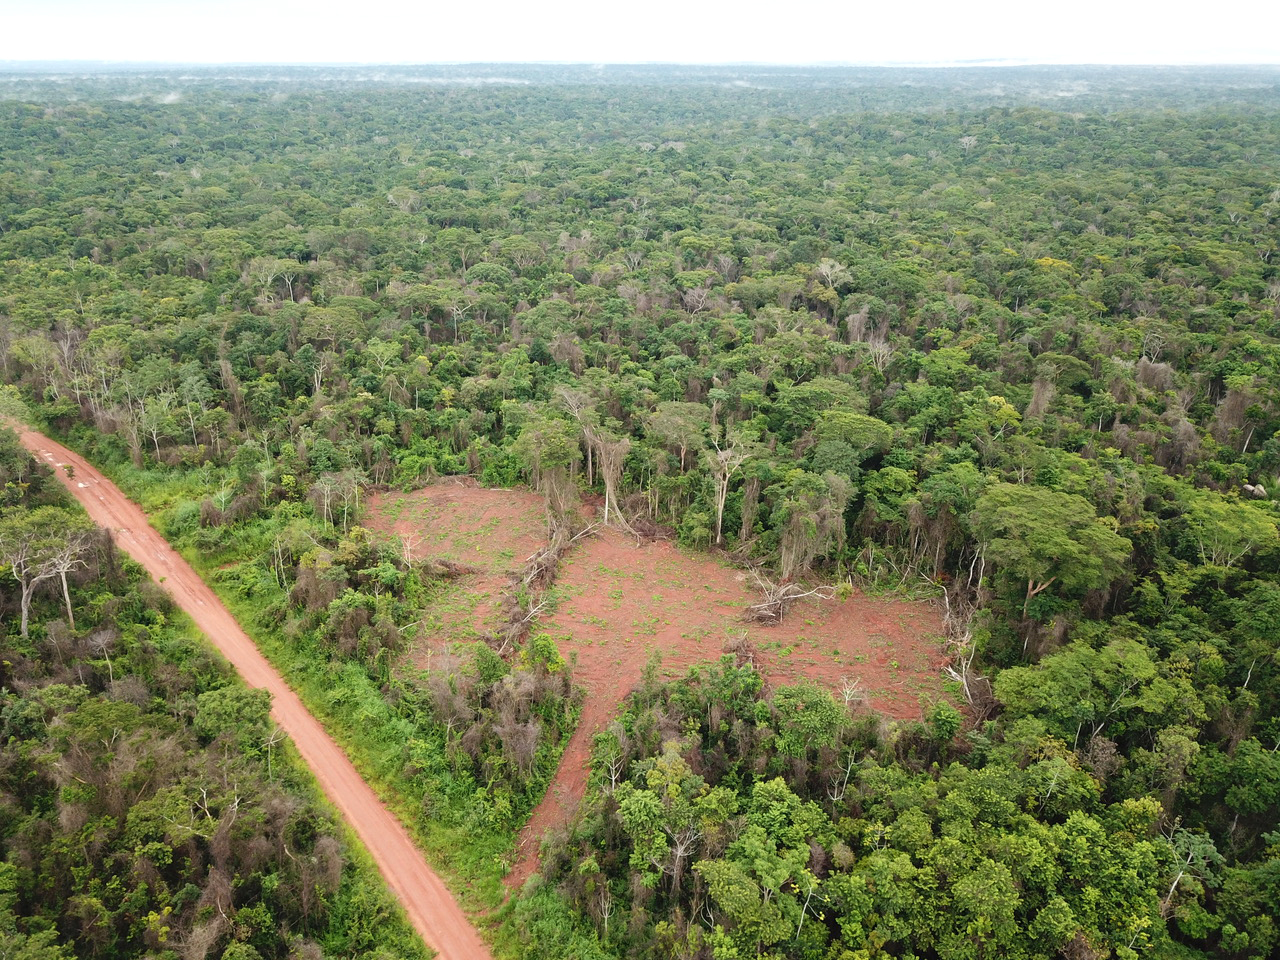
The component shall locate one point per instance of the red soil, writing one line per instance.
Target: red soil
(619, 602)
(460, 520)
(430, 907)
(623, 602)
(457, 519)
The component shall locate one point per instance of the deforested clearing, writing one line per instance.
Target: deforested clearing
(621, 603)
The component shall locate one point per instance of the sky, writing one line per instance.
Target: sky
(609, 31)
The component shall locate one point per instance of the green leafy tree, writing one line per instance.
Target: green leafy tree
(233, 711)
(1040, 537)
(1225, 531)
(550, 451)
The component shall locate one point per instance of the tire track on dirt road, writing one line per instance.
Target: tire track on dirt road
(430, 907)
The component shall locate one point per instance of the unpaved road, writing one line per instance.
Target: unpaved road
(428, 903)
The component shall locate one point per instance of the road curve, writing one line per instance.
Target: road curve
(430, 907)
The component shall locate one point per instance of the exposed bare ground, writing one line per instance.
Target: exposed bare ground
(429, 905)
(618, 602)
(457, 519)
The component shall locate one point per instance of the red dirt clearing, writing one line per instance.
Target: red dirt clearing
(620, 602)
(430, 907)
(457, 519)
(460, 520)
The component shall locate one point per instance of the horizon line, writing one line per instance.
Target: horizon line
(1006, 62)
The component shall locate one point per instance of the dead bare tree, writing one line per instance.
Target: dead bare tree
(605, 451)
(101, 643)
(615, 764)
(611, 452)
(838, 782)
(606, 908)
(407, 542)
(725, 460)
(850, 690)
(33, 550)
(580, 406)
(777, 598)
(682, 842)
(68, 555)
(957, 621)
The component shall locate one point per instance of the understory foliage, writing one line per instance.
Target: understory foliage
(1015, 335)
(730, 821)
(473, 738)
(148, 805)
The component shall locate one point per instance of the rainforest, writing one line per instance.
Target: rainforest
(722, 512)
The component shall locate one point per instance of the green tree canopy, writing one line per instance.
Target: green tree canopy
(1040, 537)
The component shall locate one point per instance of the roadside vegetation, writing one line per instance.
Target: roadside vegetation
(148, 805)
(1014, 347)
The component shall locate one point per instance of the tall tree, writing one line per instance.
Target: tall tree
(725, 460)
(1040, 537)
(39, 545)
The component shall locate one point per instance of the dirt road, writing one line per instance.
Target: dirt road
(428, 903)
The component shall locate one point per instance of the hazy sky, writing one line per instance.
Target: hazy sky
(689, 31)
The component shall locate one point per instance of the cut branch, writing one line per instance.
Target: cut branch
(778, 598)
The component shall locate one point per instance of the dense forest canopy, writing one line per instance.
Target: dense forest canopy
(1010, 336)
(838, 89)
